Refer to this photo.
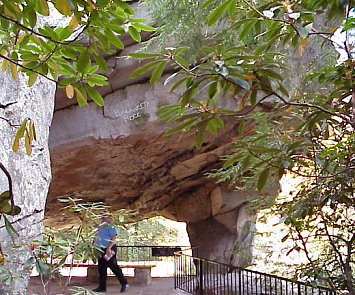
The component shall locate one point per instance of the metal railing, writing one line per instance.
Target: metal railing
(161, 256)
(203, 277)
(147, 253)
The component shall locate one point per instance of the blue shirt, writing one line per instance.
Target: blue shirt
(104, 234)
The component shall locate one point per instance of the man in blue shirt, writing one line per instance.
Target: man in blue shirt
(105, 241)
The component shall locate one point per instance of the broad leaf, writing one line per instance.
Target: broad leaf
(147, 67)
(263, 176)
(218, 12)
(63, 7)
(157, 72)
(134, 34)
(95, 96)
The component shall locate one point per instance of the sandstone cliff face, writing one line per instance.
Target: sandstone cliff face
(30, 174)
(118, 154)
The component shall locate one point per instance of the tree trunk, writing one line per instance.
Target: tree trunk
(30, 175)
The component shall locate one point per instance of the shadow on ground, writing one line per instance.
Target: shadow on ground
(159, 286)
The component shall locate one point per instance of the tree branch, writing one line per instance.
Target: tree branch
(17, 23)
(9, 122)
(26, 68)
(4, 106)
(9, 179)
(304, 104)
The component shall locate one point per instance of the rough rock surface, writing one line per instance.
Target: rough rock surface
(118, 154)
(30, 174)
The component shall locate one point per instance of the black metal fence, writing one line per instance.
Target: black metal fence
(160, 256)
(203, 277)
(147, 253)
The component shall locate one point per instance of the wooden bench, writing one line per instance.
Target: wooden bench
(142, 272)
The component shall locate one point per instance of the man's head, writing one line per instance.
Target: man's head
(105, 216)
(105, 219)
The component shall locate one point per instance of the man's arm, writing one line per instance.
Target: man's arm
(111, 243)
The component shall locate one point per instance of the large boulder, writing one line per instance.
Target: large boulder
(30, 175)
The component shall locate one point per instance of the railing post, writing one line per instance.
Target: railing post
(240, 281)
(175, 270)
(201, 277)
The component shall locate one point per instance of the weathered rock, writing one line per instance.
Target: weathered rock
(30, 174)
(118, 154)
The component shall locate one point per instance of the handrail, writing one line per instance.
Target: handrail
(202, 276)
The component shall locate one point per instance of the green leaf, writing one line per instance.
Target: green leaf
(214, 124)
(29, 263)
(28, 146)
(5, 195)
(32, 79)
(43, 268)
(180, 127)
(126, 7)
(15, 210)
(32, 131)
(63, 33)
(231, 7)
(63, 7)
(9, 228)
(181, 61)
(81, 95)
(32, 17)
(68, 53)
(16, 145)
(95, 96)
(263, 176)
(14, 70)
(5, 207)
(304, 31)
(245, 163)
(134, 34)
(179, 83)
(167, 111)
(253, 97)
(96, 80)
(212, 89)
(349, 24)
(147, 67)
(101, 62)
(42, 7)
(199, 136)
(21, 131)
(188, 95)
(157, 72)
(84, 63)
(143, 27)
(283, 90)
(240, 82)
(113, 39)
(207, 3)
(217, 12)
(271, 73)
(246, 29)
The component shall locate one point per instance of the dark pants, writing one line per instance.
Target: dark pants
(112, 264)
